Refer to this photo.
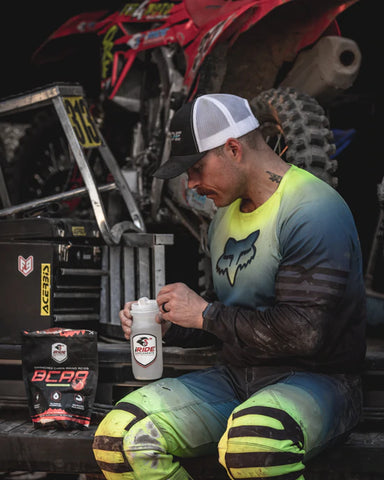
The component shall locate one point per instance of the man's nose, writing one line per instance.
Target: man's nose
(193, 179)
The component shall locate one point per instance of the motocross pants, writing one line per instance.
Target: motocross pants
(271, 434)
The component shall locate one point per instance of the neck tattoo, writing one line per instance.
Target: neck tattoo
(274, 177)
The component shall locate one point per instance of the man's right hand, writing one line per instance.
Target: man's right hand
(126, 320)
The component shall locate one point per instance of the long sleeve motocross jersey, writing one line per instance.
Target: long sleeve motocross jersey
(289, 280)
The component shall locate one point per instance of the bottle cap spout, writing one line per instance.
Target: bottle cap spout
(144, 304)
(143, 301)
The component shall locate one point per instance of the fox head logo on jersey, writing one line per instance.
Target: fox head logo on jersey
(237, 255)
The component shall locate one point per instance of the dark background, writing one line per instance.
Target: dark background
(26, 25)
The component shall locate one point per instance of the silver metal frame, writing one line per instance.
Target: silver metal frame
(54, 95)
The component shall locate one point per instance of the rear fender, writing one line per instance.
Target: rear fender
(264, 34)
(54, 48)
(260, 53)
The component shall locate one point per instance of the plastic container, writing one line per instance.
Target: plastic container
(327, 69)
(146, 340)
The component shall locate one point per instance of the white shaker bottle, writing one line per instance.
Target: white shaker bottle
(146, 340)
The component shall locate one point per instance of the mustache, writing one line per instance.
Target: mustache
(204, 192)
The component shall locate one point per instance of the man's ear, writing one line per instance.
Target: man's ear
(234, 148)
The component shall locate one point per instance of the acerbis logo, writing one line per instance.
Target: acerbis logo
(45, 289)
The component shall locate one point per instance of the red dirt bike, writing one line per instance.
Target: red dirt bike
(139, 63)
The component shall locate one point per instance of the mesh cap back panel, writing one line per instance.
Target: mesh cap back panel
(217, 117)
(209, 120)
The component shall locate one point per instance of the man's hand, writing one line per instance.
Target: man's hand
(181, 305)
(126, 320)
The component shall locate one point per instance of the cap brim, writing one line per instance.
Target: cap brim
(177, 165)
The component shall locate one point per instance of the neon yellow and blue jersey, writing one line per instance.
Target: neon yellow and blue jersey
(305, 224)
(294, 268)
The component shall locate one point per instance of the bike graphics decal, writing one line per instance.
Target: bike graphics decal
(107, 55)
(25, 265)
(45, 295)
(148, 10)
(238, 254)
(148, 38)
(82, 122)
(206, 43)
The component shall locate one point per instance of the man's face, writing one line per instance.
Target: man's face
(215, 176)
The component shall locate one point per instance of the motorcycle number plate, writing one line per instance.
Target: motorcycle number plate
(82, 122)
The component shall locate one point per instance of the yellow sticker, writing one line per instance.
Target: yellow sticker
(78, 231)
(45, 295)
(82, 122)
(107, 56)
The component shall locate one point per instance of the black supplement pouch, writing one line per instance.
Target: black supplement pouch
(60, 372)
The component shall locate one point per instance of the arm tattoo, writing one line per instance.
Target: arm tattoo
(274, 177)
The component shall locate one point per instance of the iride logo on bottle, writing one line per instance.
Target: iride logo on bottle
(144, 349)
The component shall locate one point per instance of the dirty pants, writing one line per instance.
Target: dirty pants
(271, 434)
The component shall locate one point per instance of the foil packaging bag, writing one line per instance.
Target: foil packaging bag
(60, 371)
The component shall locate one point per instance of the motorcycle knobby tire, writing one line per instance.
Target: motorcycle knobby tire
(296, 127)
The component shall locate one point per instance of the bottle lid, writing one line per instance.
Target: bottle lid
(144, 305)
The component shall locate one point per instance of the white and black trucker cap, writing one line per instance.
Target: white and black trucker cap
(203, 124)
